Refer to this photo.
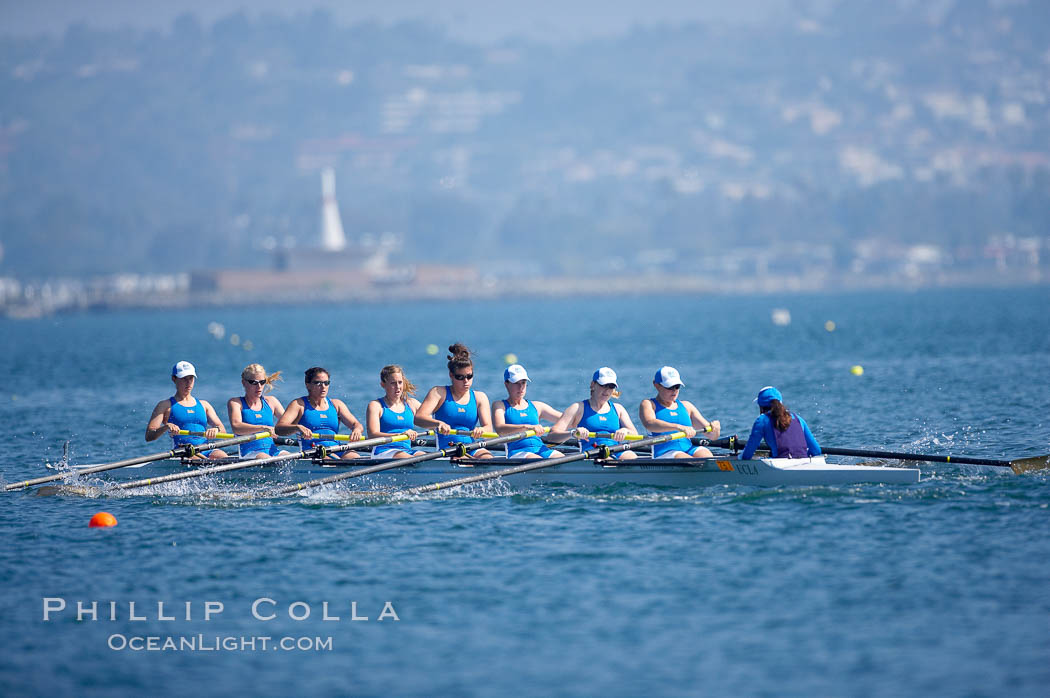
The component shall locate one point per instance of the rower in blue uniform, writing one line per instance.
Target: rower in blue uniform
(183, 412)
(255, 412)
(393, 414)
(667, 413)
(597, 414)
(447, 408)
(786, 434)
(316, 413)
(515, 413)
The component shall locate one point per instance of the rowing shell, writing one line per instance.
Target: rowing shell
(665, 472)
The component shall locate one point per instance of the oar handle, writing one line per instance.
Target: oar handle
(468, 432)
(365, 442)
(628, 437)
(336, 437)
(223, 435)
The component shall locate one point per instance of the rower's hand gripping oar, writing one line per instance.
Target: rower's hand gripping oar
(184, 451)
(601, 452)
(454, 449)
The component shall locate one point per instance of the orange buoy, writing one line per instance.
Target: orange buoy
(103, 519)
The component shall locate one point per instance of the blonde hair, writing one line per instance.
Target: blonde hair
(390, 370)
(252, 369)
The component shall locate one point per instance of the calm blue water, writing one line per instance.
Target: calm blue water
(938, 588)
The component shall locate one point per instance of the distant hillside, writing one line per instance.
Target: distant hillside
(200, 146)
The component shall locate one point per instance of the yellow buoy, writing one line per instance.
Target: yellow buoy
(857, 370)
(432, 349)
(829, 325)
(510, 359)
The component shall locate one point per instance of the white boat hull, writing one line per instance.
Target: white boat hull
(700, 472)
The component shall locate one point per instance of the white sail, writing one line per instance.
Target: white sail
(333, 239)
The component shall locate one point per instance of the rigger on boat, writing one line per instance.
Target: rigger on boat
(608, 447)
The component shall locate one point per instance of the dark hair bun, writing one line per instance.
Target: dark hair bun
(458, 351)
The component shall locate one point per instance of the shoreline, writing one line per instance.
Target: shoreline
(542, 287)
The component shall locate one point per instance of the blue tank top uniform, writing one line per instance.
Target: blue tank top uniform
(319, 422)
(595, 421)
(188, 419)
(391, 422)
(532, 444)
(458, 417)
(262, 417)
(794, 442)
(676, 415)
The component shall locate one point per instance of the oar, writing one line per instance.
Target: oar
(600, 452)
(253, 462)
(186, 450)
(727, 442)
(220, 435)
(279, 440)
(607, 435)
(402, 462)
(1019, 465)
(346, 437)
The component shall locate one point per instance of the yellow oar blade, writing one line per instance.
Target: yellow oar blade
(1026, 465)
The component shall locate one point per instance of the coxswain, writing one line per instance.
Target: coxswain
(786, 434)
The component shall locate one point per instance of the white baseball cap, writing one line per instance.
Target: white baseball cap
(604, 376)
(668, 377)
(515, 373)
(183, 369)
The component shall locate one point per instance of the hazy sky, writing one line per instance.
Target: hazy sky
(475, 19)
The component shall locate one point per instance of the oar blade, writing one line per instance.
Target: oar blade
(1027, 465)
(78, 490)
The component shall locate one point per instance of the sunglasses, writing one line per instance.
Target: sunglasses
(675, 387)
(463, 376)
(249, 381)
(320, 383)
(610, 386)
